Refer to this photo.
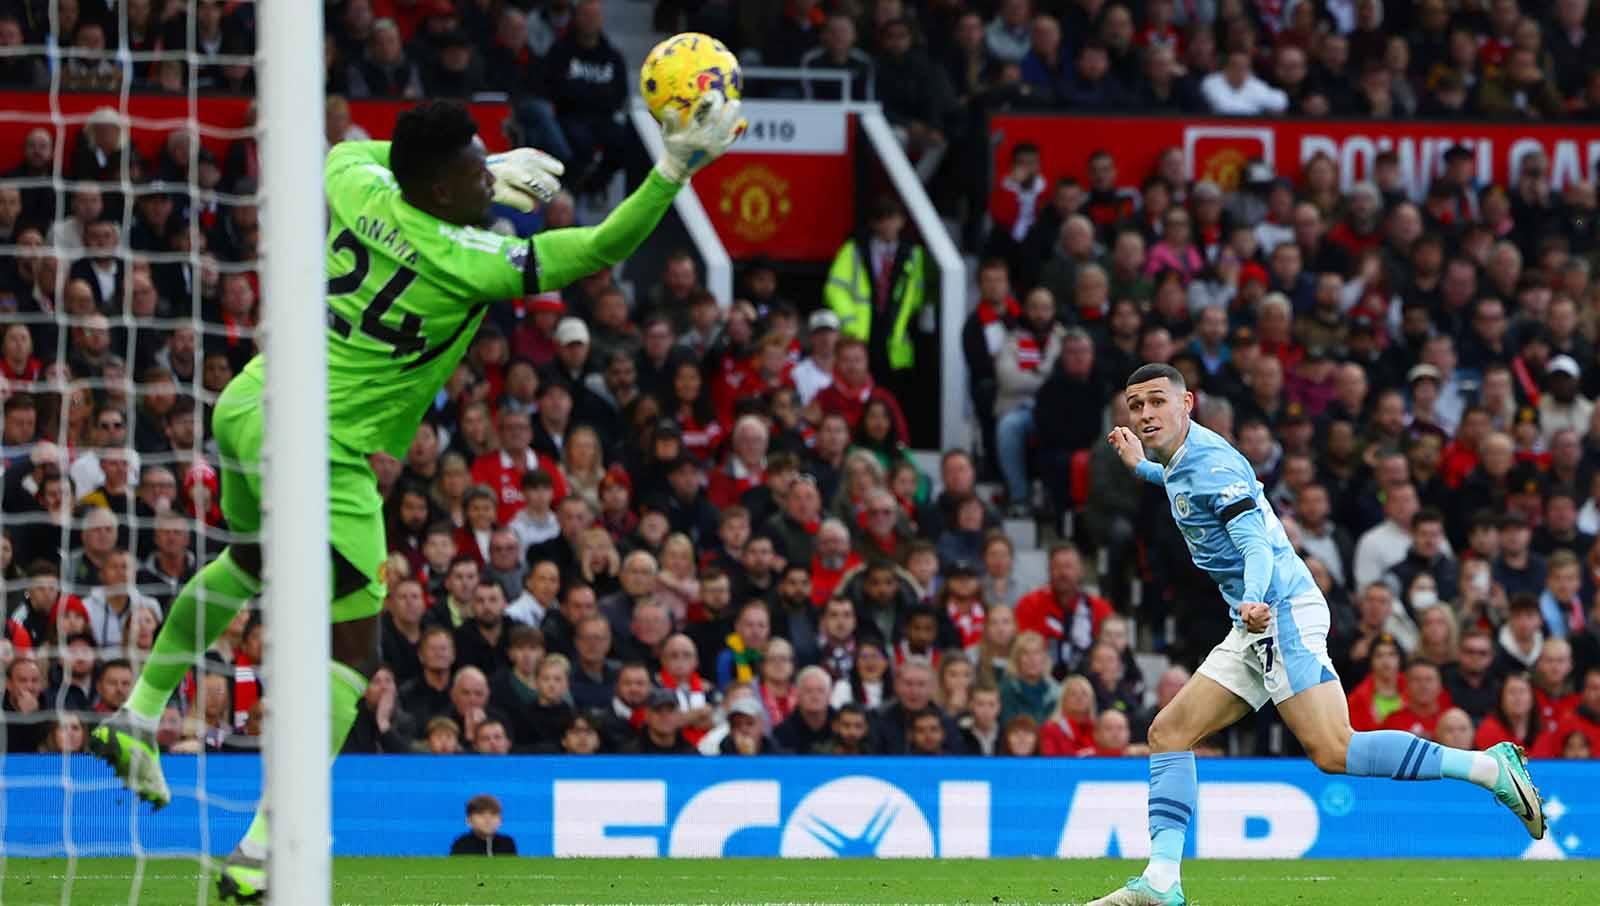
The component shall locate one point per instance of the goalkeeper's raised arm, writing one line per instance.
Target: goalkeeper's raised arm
(442, 170)
(563, 256)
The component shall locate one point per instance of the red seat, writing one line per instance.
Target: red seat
(1078, 484)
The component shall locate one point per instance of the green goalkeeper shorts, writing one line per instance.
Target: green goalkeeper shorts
(355, 510)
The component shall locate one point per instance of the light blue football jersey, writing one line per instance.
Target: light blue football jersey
(1228, 524)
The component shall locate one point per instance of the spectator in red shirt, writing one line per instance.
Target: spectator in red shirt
(1361, 230)
(473, 536)
(534, 337)
(1516, 719)
(689, 405)
(1552, 681)
(745, 466)
(767, 369)
(1383, 692)
(1460, 457)
(1425, 702)
(1070, 731)
(1062, 612)
(502, 469)
(853, 387)
(1112, 735)
(1015, 201)
(831, 561)
(1585, 715)
(17, 361)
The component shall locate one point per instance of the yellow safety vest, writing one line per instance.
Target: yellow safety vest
(849, 293)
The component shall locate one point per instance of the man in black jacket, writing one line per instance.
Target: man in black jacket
(914, 94)
(913, 692)
(588, 82)
(808, 725)
(1426, 555)
(1072, 394)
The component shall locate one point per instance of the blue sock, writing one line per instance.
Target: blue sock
(1395, 754)
(1173, 790)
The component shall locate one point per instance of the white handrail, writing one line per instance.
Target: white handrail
(955, 428)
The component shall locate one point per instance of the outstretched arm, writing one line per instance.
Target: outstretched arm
(563, 256)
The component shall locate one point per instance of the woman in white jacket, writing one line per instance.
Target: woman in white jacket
(1026, 356)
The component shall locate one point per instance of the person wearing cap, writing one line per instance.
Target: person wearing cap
(815, 372)
(1562, 406)
(746, 735)
(876, 285)
(1424, 381)
(572, 346)
(661, 732)
(570, 367)
(533, 338)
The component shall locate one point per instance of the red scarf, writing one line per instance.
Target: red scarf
(30, 370)
(903, 653)
(989, 314)
(824, 580)
(1029, 355)
(969, 624)
(778, 709)
(887, 548)
(696, 699)
(860, 393)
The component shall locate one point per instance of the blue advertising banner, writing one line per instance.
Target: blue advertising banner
(804, 807)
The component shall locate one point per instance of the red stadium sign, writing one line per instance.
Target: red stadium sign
(152, 117)
(787, 190)
(1219, 149)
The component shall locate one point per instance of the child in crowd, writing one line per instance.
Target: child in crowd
(484, 837)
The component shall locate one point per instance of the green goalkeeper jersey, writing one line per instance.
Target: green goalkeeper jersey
(407, 291)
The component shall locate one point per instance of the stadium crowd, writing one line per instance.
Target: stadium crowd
(636, 521)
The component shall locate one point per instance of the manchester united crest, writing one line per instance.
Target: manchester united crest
(758, 201)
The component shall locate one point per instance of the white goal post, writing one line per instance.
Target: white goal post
(295, 523)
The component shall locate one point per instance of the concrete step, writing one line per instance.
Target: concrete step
(1031, 567)
(1024, 533)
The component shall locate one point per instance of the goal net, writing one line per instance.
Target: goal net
(161, 221)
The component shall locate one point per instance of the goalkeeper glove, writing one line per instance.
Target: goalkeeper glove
(699, 139)
(524, 178)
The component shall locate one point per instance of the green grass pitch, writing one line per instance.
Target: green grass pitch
(482, 882)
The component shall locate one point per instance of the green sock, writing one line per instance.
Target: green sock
(224, 588)
(346, 686)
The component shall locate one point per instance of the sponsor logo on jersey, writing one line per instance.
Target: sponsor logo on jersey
(517, 255)
(1235, 490)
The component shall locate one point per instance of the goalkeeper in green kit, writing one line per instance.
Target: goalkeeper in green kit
(411, 272)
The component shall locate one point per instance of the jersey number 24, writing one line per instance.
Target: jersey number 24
(405, 339)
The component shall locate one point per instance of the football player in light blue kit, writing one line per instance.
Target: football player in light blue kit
(1278, 646)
